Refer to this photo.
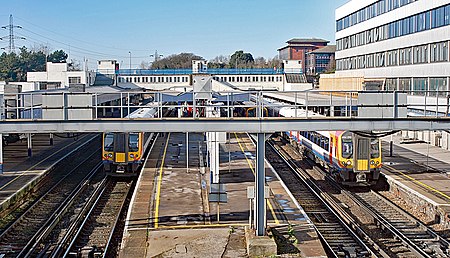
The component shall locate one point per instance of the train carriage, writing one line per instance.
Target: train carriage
(350, 158)
(123, 152)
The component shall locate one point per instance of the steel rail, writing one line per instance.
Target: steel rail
(419, 246)
(329, 204)
(22, 217)
(78, 222)
(56, 217)
(415, 246)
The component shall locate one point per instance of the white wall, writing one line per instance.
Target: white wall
(57, 72)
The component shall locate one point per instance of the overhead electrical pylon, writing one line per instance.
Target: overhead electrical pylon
(11, 37)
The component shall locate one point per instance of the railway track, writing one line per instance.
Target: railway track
(420, 240)
(95, 232)
(19, 237)
(339, 238)
(398, 233)
(54, 176)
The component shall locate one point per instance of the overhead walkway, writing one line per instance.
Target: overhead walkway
(78, 112)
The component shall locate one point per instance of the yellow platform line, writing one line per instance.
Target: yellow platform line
(420, 183)
(158, 188)
(254, 174)
(35, 165)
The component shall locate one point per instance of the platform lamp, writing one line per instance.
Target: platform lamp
(129, 52)
(156, 56)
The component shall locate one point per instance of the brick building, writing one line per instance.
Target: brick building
(320, 60)
(297, 49)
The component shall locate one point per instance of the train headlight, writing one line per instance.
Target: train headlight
(132, 155)
(377, 162)
(110, 155)
(349, 162)
(372, 162)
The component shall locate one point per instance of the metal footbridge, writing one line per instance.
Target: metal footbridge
(43, 112)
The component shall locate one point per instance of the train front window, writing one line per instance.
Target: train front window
(133, 142)
(347, 146)
(374, 149)
(108, 142)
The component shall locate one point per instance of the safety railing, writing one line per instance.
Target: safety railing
(214, 71)
(226, 105)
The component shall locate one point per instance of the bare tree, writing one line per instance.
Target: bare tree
(144, 65)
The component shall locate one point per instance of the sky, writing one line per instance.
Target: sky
(111, 29)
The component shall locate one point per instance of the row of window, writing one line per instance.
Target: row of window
(368, 12)
(316, 138)
(154, 79)
(248, 78)
(428, 53)
(75, 80)
(423, 21)
(434, 86)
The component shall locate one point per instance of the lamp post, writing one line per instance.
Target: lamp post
(129, 52)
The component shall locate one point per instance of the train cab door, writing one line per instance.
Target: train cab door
(120, 147)
(361, 157)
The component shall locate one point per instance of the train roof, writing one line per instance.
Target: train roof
(147, 111)
(297, 112)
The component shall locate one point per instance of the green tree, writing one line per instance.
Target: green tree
(29, 61)
(8, 66)
(14, 67)
(240, 59)
(59, 56)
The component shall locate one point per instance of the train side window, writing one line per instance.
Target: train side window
(133, 142)
(108, 142)
(326, 144)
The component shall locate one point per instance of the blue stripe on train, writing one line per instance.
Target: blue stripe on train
(319, 155)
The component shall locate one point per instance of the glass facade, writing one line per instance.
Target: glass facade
(369, 12)
(416, 23)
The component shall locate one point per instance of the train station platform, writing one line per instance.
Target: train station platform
(170, 214)
(419, 174)
(21, 173)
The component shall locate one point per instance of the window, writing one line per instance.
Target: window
(404, 84)
(420, 86)
(133, 142)
(75, 80)
(374, 148)
(439, 52)
(420, 54)
(438, 17)
(392, 57)
(438, 86)
(347, 145)
(108, 142)
(405, 56)
(391, 84)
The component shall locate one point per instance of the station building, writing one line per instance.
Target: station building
(399, 44)
(402, 43)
